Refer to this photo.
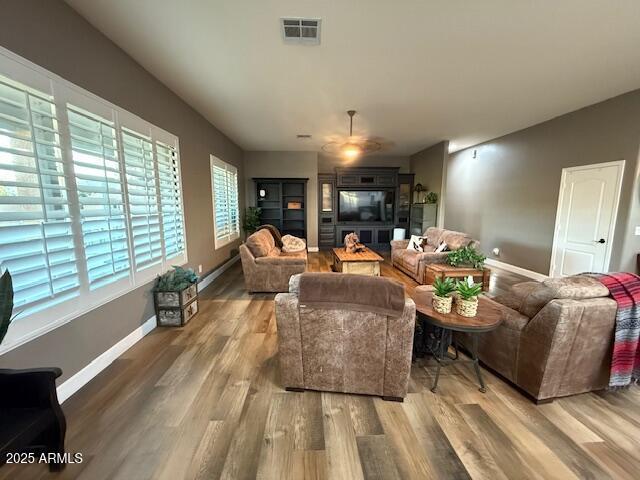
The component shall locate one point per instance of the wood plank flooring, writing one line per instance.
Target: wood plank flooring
(205, 402)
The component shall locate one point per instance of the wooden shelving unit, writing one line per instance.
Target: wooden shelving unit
(279, 204)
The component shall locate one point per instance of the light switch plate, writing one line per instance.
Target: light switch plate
(637, 231)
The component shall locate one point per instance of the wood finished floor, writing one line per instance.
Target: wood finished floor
(205, 402)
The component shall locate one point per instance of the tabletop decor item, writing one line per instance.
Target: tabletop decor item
(466, 257)
(176, 297)
(467, 300)
(442, 299)
(352, 243)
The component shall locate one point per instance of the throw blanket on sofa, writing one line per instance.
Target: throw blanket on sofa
(624, 288)
(292, 244)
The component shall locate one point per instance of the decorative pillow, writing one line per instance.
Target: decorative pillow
(260, 243)
(293, 244)
(416, 243)
(441, 248)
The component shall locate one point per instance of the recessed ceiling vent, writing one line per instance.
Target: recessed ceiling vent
(301, 30)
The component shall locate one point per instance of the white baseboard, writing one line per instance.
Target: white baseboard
(206, 281)
(80, 379)
(519, 270)
(313, 249)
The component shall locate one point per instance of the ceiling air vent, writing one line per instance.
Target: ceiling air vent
(301, 30)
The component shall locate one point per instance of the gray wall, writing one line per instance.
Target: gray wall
(507, 196)
(54, 36)
(286, 165)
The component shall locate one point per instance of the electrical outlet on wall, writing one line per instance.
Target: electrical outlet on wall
(199, 268)
(496, 251)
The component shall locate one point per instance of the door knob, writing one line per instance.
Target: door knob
(602, 240)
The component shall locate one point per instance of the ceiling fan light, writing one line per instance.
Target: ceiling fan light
(351, 150)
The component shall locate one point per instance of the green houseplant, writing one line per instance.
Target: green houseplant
(251, 220)
(466, 257)
(431, 198)
(6, 303)
(467, 301)
(442, 290)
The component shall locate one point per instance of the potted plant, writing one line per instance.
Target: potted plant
(467, 300)
(175, 297)
(442, 299)
(6, 303)
(431, 198)
(466, 257)
(251, 220)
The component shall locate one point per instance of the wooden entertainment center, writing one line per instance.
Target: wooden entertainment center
(383, 181)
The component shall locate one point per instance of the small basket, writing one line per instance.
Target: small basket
(466, 308)
(441, 304)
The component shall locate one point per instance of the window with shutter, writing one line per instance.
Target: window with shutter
(170, 200)
(98, 176)
(90, 199)
(224, 182)
(142, 192)
(35, 223)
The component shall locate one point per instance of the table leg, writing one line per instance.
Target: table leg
(476, 363)
(441, 354)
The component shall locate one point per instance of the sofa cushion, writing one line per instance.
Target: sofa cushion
(433, 235)
(260, 243)
(577, 287)
(455, 240)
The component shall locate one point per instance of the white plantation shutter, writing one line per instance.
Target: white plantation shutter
(142, 191)
(36, 239)
(98, 176)
(89, 209)
(170, 200)
(224, 182)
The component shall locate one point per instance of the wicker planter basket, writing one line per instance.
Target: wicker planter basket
(441, 304)
(466, 308)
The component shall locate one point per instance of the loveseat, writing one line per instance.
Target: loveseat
(413, 263)
(334, 348)
(556, 337)
(266, 267)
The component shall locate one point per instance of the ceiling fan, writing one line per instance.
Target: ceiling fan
(354, 146)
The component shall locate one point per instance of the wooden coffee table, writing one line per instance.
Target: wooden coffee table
(364, 262)
(441, 270)
(488, 318)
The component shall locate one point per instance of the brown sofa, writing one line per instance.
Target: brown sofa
(266, 268)
(556, 338)
(414, 263)
(344, 350)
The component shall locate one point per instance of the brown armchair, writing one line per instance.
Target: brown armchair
(413, 263)
(344, 350)
(556, 337)
(266, 268)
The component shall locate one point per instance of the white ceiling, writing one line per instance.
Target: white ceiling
(417, 71)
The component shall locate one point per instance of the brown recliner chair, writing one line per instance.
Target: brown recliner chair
(556, 338)
(266, 268)
(340, 350)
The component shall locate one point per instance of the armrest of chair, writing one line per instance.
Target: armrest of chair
(281, 260)
(29, 388)
(399, 244)
(289, 340)
(399, 351)
(563, 332)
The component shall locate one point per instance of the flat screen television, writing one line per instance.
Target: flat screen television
(365, 206)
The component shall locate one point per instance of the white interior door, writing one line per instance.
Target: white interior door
(585, 221)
